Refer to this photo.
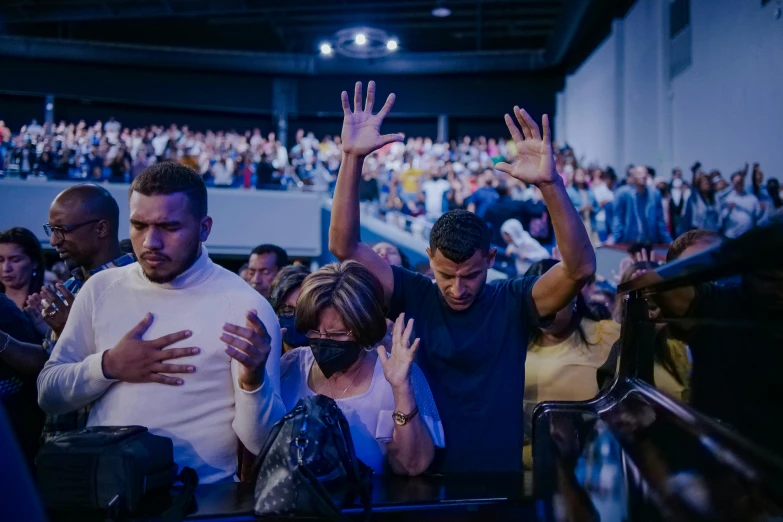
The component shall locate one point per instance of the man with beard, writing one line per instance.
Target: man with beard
(129, 324)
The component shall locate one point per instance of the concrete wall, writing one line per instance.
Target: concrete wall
(243, 219)
(622, 107)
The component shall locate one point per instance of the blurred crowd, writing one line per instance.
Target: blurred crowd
(413, 182)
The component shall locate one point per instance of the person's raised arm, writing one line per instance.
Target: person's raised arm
(535, 164)
(360, 137)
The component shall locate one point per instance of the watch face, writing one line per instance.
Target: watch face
(399, 418)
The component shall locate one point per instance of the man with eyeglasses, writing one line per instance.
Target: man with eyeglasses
(83, 228)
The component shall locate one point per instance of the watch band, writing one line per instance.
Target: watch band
(405, 419)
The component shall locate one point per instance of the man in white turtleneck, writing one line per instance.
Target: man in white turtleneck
(128, 326)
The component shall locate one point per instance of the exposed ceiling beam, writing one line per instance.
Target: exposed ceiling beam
(547, 18)
(139, 9)
(274, 63)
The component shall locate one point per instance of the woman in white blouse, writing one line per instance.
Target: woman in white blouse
(384, 397)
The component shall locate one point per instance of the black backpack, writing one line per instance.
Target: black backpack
(112, 469)
(308, 465)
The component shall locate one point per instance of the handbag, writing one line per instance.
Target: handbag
(308, 465)
(112, 469)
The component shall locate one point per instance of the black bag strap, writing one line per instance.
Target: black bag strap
(180, 504)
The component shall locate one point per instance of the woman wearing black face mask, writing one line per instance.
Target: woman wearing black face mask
(386, 399)
(283, 294)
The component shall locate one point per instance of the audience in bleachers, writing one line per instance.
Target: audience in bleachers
(414, 179)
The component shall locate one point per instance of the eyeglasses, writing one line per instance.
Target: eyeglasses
(54, 230)
(332, 336)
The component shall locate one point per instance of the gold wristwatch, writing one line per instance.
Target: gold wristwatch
(400, 419)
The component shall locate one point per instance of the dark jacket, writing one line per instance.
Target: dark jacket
(638, 218)
(506, 208)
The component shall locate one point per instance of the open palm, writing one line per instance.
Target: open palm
(535, 164)
(397, 366)
(361, 128)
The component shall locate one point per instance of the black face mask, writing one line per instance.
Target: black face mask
(292, 337)
(334, 356)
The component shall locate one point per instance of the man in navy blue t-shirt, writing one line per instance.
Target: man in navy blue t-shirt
(473, 335)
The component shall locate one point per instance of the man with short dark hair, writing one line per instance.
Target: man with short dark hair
(83, 229)
(263, 265)
(128, 325)
(506, 208)
(638, 212)
(474, 334)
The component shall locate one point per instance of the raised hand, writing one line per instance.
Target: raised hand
(361, 129)
(56, 314)
(34, 310)
(136, 360)
(250, 345)
(535, 163)
(397, 366)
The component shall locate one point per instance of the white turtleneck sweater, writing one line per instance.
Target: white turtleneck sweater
(206, 414)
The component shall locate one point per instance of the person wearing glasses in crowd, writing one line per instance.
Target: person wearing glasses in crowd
(474, 334)
(83, 228)
(285, 291)
(385, 398)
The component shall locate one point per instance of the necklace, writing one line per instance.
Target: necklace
(353, 381)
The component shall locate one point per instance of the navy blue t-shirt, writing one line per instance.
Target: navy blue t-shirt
(474, 361)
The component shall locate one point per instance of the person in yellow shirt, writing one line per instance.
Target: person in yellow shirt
(563, 359)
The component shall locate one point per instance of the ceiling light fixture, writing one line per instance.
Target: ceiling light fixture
(326, 49)
(441, 11)
(361, 42)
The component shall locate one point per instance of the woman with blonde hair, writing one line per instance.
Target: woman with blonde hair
(385, 397)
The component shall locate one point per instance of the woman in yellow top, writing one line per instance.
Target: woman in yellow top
(562, 360)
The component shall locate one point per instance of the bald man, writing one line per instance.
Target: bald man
(83, 227)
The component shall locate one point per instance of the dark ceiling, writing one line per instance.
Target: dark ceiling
(287, 25)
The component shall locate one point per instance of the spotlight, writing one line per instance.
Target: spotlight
(360, 39)
(441, 11)
(391, 45)
(326, 49)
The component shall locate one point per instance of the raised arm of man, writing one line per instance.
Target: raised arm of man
(536, 165)
(360, 137)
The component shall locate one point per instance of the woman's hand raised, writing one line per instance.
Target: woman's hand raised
(397, 366)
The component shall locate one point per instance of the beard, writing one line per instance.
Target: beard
(177, 271)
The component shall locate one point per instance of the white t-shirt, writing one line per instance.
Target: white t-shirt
(433, 193)
(369, 415)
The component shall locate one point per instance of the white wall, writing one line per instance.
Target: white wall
(728, 106)
(242, 219)
(586, 108)
(621, 107)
